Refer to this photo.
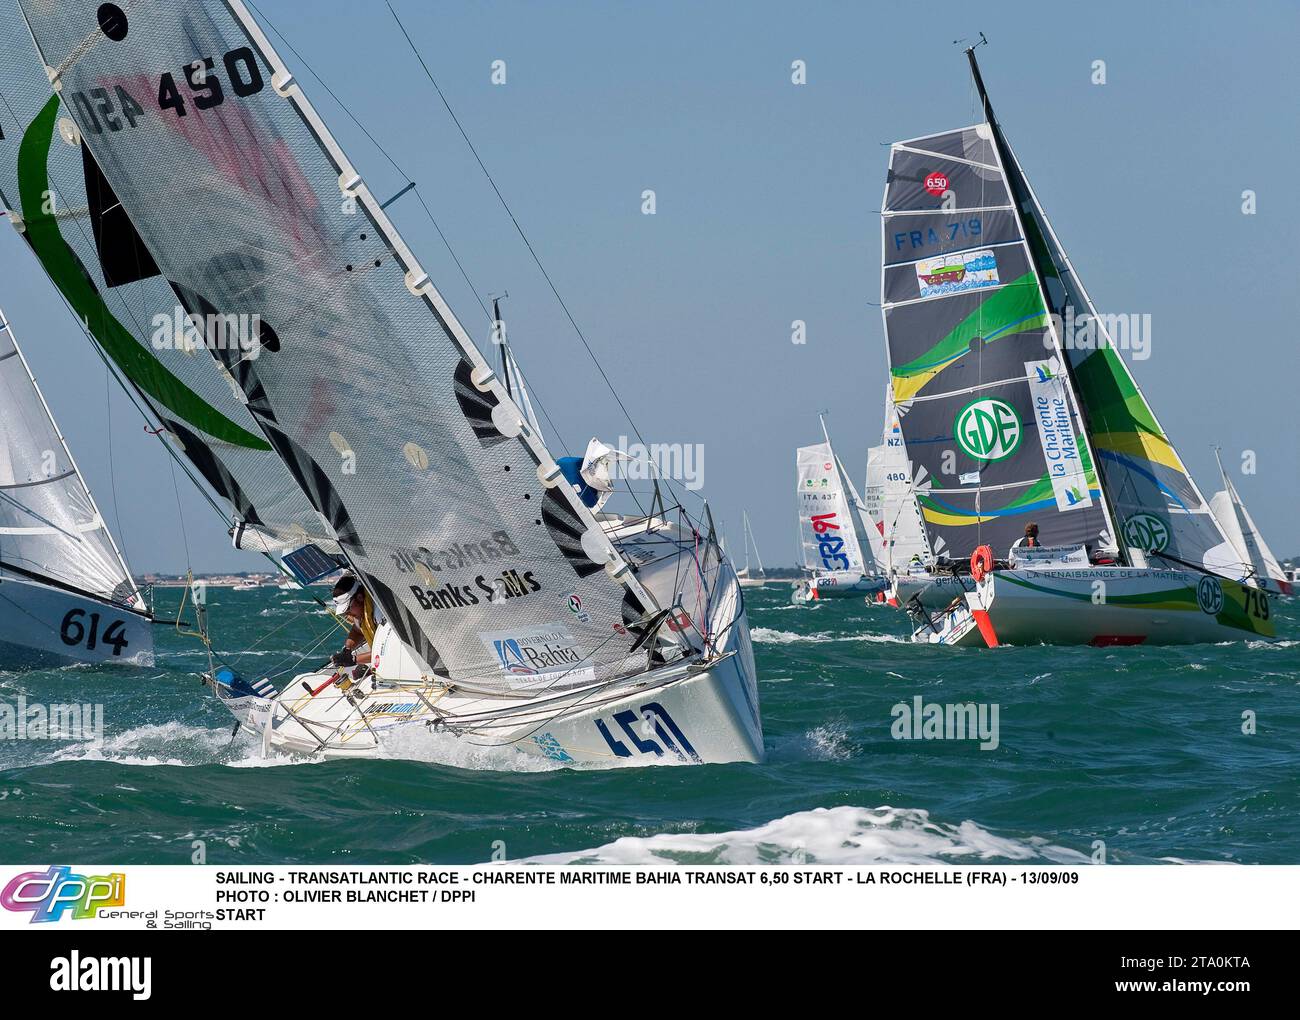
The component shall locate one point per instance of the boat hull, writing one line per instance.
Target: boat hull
(1104, 606)
(698, 710)
(840, 585)
(936, 591)
(47, 626)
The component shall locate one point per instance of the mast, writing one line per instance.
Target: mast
(1022, 194)
(749, 534)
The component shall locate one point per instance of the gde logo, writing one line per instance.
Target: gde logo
(50, 893)
(987, 429)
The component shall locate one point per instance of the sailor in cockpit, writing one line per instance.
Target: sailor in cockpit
(351, 601)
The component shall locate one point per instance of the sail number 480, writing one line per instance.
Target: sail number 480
(83, 631)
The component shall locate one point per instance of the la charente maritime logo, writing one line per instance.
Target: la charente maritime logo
(51, 894)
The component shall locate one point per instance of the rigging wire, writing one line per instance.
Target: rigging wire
(519, 229)
(412, 185)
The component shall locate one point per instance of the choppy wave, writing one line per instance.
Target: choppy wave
(839, 835)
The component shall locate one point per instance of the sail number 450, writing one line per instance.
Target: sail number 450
(203, 88)
(83, 631)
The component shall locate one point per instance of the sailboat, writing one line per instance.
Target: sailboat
(898, 537)
(832, 537)
(746, 579)
(66, 594)
(1259, 568)
(516, 612)
(1007, 424)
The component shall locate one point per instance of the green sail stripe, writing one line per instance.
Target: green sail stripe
(1110, 397)
(1017, 305)
(69, 275)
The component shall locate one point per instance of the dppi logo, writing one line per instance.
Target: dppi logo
(48, 894)
(1146, 531)
(988, 429)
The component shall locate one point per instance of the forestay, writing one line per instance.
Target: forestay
(989, 422)
(1158, 505)
(50, 528)
(364, 383)
(67, 213)
(828, 537)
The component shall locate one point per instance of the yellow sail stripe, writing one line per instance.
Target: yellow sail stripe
(1141, 445)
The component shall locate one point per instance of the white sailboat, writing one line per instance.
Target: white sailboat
(66, 594)
(516, 614)
(832, 539)
(1006, 425)
(748, 580)
(1259, 568)
(898, 531)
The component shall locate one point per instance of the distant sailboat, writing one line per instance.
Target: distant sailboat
(974, 288)
(1259, 567)
(746, 580)
(833, 542)
(66, 594)
(898, 537)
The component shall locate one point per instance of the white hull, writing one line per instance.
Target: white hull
(699, 710)
(936, 591)
(1102, 606)
(839, 585)
(41, 625)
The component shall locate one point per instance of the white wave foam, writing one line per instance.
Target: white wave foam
(840, 835)
(416, 743)
(769, 636)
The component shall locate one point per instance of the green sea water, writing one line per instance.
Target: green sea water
(1135, 753)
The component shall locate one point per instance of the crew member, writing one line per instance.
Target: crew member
(351, 601)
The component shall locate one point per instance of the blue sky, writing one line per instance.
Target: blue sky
(767, 211)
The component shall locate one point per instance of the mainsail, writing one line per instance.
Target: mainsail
(364, 383)
(66, 211)
(50, 528)
(1150, 492)
(897, 530)
(828, 534)
(987, 413)
(1256, 563)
